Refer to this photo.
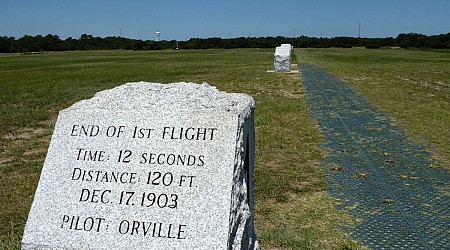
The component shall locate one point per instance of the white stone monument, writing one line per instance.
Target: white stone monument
(282, 60)
(148, 166)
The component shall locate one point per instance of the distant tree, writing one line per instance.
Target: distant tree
(440, 41)
(28, 44)
(7, 44)
(343, 42)
(50, 43)
(71, 44)
(138, 45)
(408, 40)
(193, 43)
(85, 37)
(53, 42)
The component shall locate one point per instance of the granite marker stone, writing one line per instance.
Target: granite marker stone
(148, 166)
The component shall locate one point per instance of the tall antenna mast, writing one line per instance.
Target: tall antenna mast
(359, 30)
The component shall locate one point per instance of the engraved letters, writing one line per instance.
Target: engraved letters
(123, 194)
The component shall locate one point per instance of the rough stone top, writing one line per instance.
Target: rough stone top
(173, 96)
(282, 51)
(286, 45)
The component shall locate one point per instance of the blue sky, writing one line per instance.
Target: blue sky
(181, 20)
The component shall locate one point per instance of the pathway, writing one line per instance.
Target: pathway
(376, 172)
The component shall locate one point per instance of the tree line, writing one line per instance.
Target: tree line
(29, 44)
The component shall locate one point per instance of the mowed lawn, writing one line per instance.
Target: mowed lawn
(293, 209)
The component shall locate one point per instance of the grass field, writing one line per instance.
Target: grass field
(293, 209)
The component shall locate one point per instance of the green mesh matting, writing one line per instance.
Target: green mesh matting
(375, 172)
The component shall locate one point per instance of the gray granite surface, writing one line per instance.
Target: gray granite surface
(148, 166)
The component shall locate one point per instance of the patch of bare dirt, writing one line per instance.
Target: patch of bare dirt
(24, 133)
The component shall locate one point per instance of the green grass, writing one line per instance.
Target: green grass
(412, 85)
(292, 210)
